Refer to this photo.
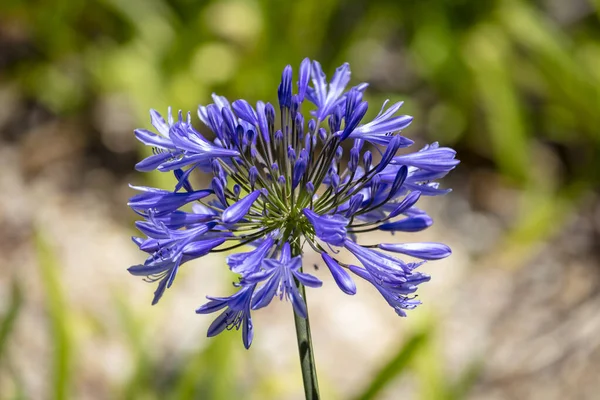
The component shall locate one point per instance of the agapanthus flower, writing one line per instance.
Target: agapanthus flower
(312, 172)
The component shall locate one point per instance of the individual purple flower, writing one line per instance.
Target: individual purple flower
(326, 96)
(169, 249)
(394, 290)
(278, 276)
(429, 158)
(177, 145)
(314, 177)
(163, 201)
(379, 130)
(236, 314)
(194, 147)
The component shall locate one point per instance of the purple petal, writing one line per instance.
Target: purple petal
(303, 79)
(286, 253)
(428, 189)
(152, 230)
(390, 125)
(244, 263)
(163, 201)
(262, 120)
(354, 120)
(411, 224)
(160, 290)
(152, 162)
(405, 204)
(247, 331)
(425, 251)
(338, 83)
(211, 306)
(238, 211)
(329, 228)
(307, 279)
(159, 122)
(319, 82)
(244, 110)
(297, 301)
(265, 294)
(182, 178)
(145, 270)
(152, 139)
(219, 324)
(203, 247)
(341, 277)
(430, 158)
(363, 273)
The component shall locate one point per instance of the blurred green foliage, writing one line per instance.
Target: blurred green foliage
(58, 314)
(505, 82)
(494, 78)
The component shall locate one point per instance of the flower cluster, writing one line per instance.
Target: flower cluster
(282, 181)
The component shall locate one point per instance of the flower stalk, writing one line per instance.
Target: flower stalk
(307, 355)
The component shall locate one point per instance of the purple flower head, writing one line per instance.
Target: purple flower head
(315, 177)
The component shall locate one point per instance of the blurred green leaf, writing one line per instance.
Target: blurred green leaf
(208, 373)
(141, 380)
(7, 322)
(429, 368)
(62, 342)
(487, 54)
(552, 52)
(460, 389)
(396, 366)
(542, 216)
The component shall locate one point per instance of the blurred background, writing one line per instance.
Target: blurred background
(513, 86)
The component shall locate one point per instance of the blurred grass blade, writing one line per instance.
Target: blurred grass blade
(57, 313)
(8, 320)
(487, 52)
(543, 216)
(141, 379)
(596, 4)
(193, 371)
(465, 382)
(554, 54)
(209, 374)
(395, 366)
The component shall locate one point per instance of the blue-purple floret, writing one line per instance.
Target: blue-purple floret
(279, 277)
(311, 172)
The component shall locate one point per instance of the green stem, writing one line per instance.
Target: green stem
(307, 356)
